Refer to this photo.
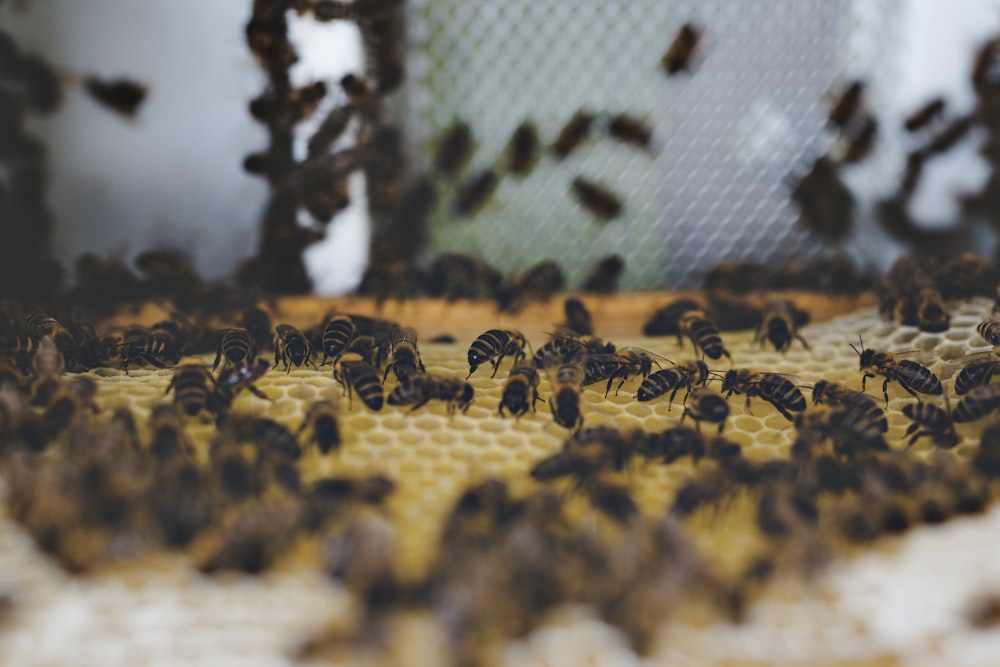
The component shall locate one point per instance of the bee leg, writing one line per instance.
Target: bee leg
(864, 380)
(500, 409)
(419, 404)
(496, 366)
(170, 385)
(386, 376)
(722, 425)
(472, 369)
(258, 393)
(802, 340)
(535, 399)
(746, 406)
(277, 356)
(311, 363)
(784, 413)
(885, 391)
(913, 427)
(218, 357)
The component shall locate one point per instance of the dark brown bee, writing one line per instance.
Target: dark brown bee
(630, 130)
(703, 333)
(587, 452)
(673, 444)
(357, 375)
(362, 97)
(331, 10)
(190, 382)
(703, 404)
(679, 56)
(984, 67)
(424, 387)
(291, 347)
(603, 276)
(155, 348)
(562, 348)
(932, 421)
(404, 358)
(621, 364)
(68, 403)
(234, 379)
(977, 403)
(825, 203)
(577, 318)
(121, 95)
(776, 389)
(861, 141)
(833, 394)
(852, 432)
(237, 346)
(520, 392)
(780, 324)
(455, 149)
(950, 135)
(474, 191)
(666, 320)
(912, 377)
(169, 439)
(564, 399)
(330, 130)
(539, 282)
(596, 198)
(273, 439)
(521, 153)
(454, 276)
(924, 115)
(845, 105)
(978, 372)
(684, 375)
(258, 323)
(337, 335)
(493, 346)
(322, 419)
(990, 331)
(966, 276)
(253, 539)
(574, 133)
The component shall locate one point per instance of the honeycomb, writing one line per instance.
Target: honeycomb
(902, 601)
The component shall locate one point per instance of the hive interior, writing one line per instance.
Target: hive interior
(158, 609)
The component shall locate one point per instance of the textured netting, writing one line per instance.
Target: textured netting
(907, 598)
(713, 184)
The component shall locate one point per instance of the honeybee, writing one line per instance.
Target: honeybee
(67, 404)
(120, 95)
(272, 438)
(977, 403)
(672, 444)
(322, 418)
(233, 380)
(521, 389)
(337, 335)
(825, 203)
(586, 452)
(930, 420)
(924, 115)
(703, 404)
(493, 346)
(361, 97)
(331, 129)
(861, 141)
(678, 57)
(603, 276)
(454, 276)
(560, 348)
(776, 389)
(780, 323)
(253, 539)
(564, 400)
(521, 153)
(538, 283)
(966, 276)
(156, 348)
(474, 191)
(846, 105)
(357, 375)
(258, 323)
(989, 329)
(630, 130)
(683, 375)
(424, 387)
(666, 320)
(620, 364)
(291, 347)
(237, 346)
(190, 383)
(910, 375)
(596, 198)
(455, 148)
(573, 134)
(169, 439)
(404, 358)
(851, 431)
(978, 372)
(703, 333)
(577, 318)
(833, 394)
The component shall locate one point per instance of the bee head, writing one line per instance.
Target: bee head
(729, 381)
(818, 390)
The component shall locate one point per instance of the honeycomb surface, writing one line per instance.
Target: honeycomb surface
(902, 601)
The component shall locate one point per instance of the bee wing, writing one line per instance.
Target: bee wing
(958, 363)
(923, 357)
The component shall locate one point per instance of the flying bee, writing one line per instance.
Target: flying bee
(121, 95)
(679, 56)
(291, 347)
(362, 97)
(846, 105)
(564, 400)
(910, 375)
(493, 346)
(573, 133)
(776, 389)
(630, 130)
(684, 375)
(190, 383)
(455, 148)
(521, 389)
(861, 141)
(521, 153)
(322, 418)
(330, 130)
(474, 191)
(703, 404)
(357, 375)
(577, 318)
(424, 387)
(930, 420)
(703, 333)
(924, 115)
(833, 394)
(780, 324)
(977, 403)
(237, 346)
(603, 276)
(404, 358)
(989, 329)
(596, 198)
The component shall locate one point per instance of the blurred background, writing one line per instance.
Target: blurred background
(728, 137)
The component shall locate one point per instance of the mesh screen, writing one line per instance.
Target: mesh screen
(725, 137)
